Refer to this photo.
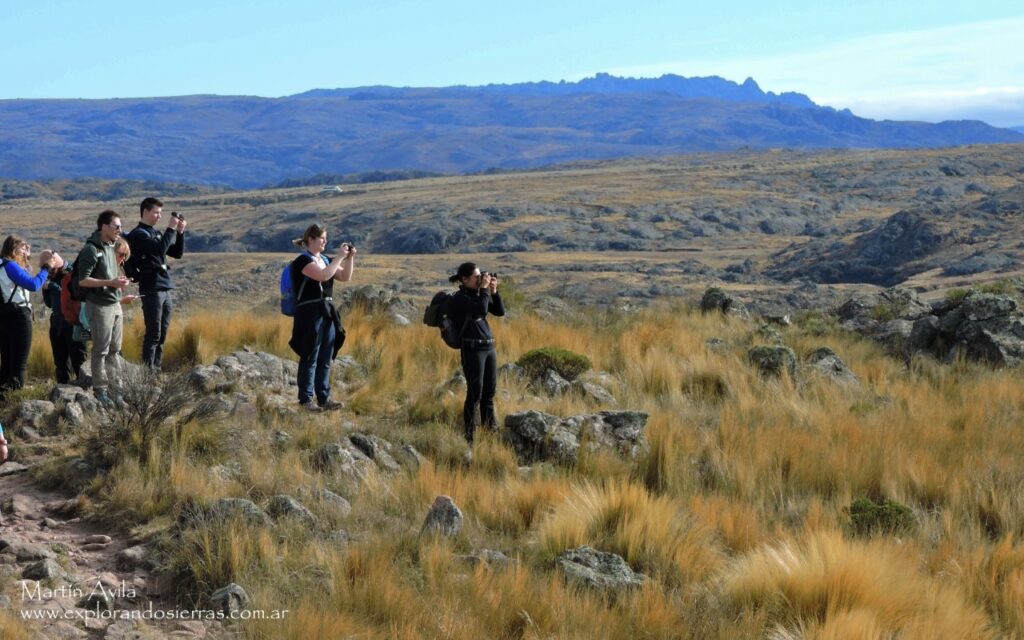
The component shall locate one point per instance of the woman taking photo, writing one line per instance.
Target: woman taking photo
(317, 334)
(477, 297)
(16, 284)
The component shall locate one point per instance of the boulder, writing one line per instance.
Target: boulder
(259, 368)
(537, 436)
(33, 414)
(593, 391)
(333, 501)
(409, 457)
(237, 508)
(230, 599)
(826, 363)
(376, 449)
(284, 506)
(443, 518)
(134, 558)
(47, 569)
(553, 384)
(598, 569)
(343, 459)
(773, 361)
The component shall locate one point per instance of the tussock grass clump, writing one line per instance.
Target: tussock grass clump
(825, 586)
(654, 534)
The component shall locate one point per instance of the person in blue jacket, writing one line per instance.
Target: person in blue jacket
(16, 285)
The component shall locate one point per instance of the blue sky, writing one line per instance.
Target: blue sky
(910, 60)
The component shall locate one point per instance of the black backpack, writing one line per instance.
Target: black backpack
(437, 315)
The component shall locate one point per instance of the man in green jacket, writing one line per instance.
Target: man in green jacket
(98, 273)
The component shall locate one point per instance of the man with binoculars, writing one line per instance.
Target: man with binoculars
(148, 265)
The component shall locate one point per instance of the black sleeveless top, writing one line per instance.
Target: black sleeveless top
(312, 290)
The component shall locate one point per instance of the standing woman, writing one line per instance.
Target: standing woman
(477, 297)
(317, 334)
(68, 353)
(16, 284)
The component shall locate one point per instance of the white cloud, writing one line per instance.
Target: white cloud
(973, 70)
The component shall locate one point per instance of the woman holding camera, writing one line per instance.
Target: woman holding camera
(468, 309)
(317, 334)
(16, 285)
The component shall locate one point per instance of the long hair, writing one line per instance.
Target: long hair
(11, 245)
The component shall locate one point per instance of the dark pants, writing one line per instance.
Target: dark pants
(15, 344)
(68, 353)
(315, 369)
(481, 369)
(156, 311)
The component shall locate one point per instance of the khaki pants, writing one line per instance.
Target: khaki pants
(106, 323)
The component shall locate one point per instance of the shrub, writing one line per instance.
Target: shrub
(956, 296)
(888, 516)
(815, 323)
(565, 363)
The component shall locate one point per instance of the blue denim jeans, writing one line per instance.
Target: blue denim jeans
(315, 369)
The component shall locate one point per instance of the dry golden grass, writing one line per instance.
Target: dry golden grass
(736, 513)
(827, 586)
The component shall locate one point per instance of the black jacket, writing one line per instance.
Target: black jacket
(469, 308)
(150, 249)
(306, 323)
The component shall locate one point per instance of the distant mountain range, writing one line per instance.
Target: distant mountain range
(251, 141)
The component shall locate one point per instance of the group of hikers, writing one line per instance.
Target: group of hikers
(86, 297)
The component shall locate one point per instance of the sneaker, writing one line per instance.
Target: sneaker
(311, 406)
(331, 405)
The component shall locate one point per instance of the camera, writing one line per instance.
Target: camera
(348, 246)
(175, 214)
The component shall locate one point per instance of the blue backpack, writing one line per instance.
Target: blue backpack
(290, 297)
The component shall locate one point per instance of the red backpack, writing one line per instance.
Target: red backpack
(70, 306)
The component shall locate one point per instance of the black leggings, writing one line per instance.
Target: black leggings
(68, 353)
(15, 344)
(481, 369)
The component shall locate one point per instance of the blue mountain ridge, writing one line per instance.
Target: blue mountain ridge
(245, 141)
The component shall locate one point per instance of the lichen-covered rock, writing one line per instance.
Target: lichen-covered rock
(598, 569)
(284, 506)
(376, 449)
(825, 362)
(772, 361)
(537, 436)
(443, 518)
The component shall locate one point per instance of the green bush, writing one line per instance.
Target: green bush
(888, 516)
(565, 363)
(815, 323)
(956, 296)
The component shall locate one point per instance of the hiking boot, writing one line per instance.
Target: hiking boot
(332, 405)
(103, 398)
(311, 406)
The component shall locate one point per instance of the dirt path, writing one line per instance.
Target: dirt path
(67, 577)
